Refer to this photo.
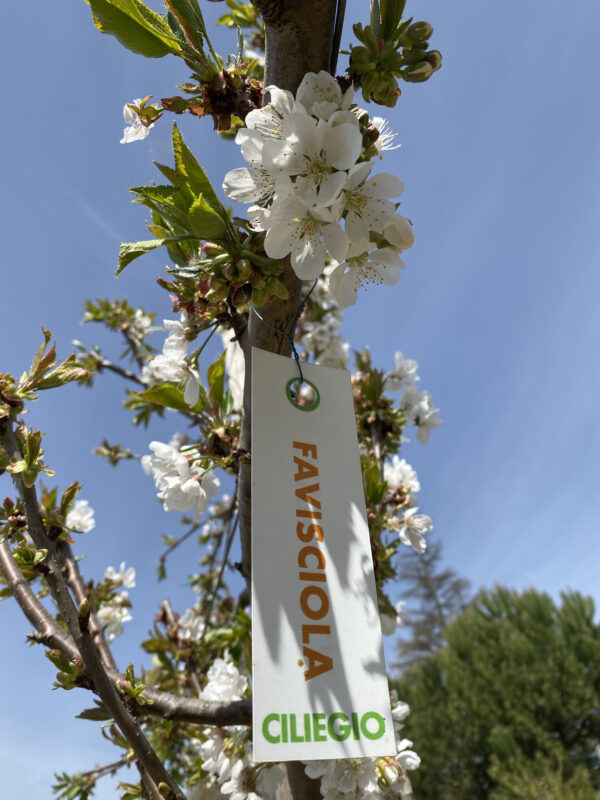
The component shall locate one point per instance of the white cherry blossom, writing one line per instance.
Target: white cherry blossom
(408, 758)
(385, 140)
(135, 130)
(225, 682)
(400, 474)
(124, 576)
(171, 364)
(241, 783)
(413, 528)
(268, 120)
(367, 200)
(313, 147)
(183, 485)
(321, 95)
(390, 623)
(420, 411)
(235, 367)
(381, 265)
(309, 235)
(112, 616)
(403, 374)
(81, 517)
(190, 626)
(399, 233)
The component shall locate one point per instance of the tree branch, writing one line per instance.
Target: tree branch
(163, 704)
(77, 584)
(48, 630)
(95, 669)
(104, 363)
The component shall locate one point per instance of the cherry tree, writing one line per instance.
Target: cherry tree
(320, 221)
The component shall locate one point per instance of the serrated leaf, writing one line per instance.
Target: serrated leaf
(170, 395)
(216, 380)
(136, 26)
(70, 370)
(39, 355)
(161, 192)
(188, 20)
(129, 251)
(205, 222)
(186, 162)
(68, 498)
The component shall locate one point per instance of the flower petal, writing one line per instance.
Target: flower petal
(343, 144)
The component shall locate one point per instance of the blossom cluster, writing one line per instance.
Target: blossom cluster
(112, 615)
(171, 364)
(310, 181)
(225, 755)
(183, 483)
(365, 778)
(418, 407)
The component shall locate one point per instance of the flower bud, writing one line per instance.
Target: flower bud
(244, 269)
(416, 33)
(241, 296)
(219, 290)
(418, 73)
(435, 59)
(360, 59)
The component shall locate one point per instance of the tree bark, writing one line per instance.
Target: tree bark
(299, 36)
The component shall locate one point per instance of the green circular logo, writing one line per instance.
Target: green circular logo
(293, 400)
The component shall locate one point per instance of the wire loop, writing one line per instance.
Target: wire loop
(289, 335)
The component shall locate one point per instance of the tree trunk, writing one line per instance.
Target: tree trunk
(299, 36)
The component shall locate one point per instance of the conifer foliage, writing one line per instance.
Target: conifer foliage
(510, 708)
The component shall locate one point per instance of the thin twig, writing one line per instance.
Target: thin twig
(211, 603)
(171, 622)
(107, 769)
(77, 584)
(195, 527)
(48, 631)
(104, 363)
(337, 34)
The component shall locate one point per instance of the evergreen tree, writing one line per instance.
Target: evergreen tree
(510, 708)
(433, 597)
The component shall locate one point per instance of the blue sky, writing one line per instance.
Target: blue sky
(498, 304)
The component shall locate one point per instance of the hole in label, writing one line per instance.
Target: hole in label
(303, 395)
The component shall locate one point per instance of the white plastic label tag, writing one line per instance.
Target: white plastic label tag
(320, 689)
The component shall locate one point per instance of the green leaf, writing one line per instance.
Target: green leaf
(98, 714)
(186, 163)
(162, 194)
(170, 395)
(374, 486)
(189, 21)
(68, 498)
(131, 250)
(227, 403)
(205, 222)
(70, 370)
(39, 556)
(216, 381)
(136, 26)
